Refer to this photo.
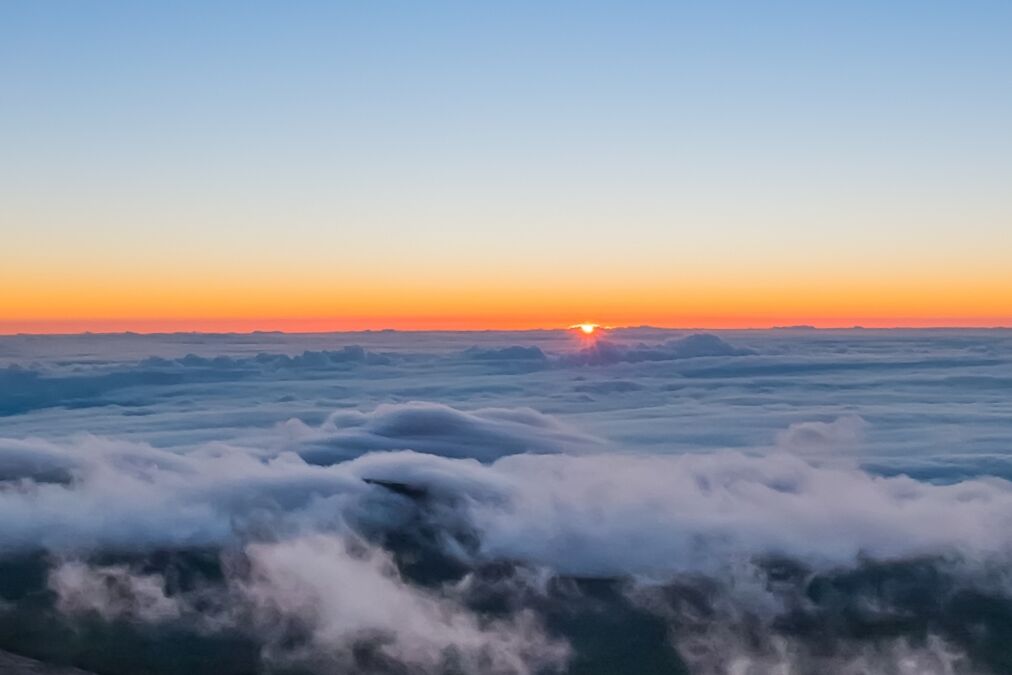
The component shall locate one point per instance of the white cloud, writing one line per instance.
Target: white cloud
(351, 596)
(485, 433)
(611, 514)
(843, 433)
(113, 592)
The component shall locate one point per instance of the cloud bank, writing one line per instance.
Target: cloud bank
(776, 502)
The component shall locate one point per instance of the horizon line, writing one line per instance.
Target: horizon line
(542, 329)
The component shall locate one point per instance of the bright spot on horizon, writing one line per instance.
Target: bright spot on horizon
(586, 328)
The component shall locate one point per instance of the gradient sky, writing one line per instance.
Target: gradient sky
(307, 166)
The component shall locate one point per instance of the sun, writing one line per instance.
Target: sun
(586, 328)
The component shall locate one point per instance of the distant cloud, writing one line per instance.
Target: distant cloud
(514, 353)
(698, 345)
(608, 387)
(25, 389)
(844, 432)
(308, 359)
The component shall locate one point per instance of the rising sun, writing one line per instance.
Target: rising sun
(586, 328)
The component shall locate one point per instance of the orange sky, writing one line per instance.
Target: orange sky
(312, 325)
(88, 304)
(511, 168)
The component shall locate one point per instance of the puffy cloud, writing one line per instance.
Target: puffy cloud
(611, 514)
(595, 514)
(355, 598)
(113, 592)
(35, 460)
(843, 433)
(130, 496)
(306, 566)
(485, 434)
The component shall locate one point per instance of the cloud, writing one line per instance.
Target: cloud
(485, 434)
(350, 354)
(942, 468)
(25, 389)
(510, 359)
(112, 592)
(608, 387)
(512, 353)
(130, 496)
(723, 652)
(778, 616)
(698, 345)
(603, 513)
(355, 598)
(707, 509)
(843, 433)
(314, 557)
(608, 514)
(35, 460)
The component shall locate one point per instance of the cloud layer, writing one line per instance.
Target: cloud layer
(750, 503)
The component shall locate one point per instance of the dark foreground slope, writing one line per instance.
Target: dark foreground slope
(12, 664)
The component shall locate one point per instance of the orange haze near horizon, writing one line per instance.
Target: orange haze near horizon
(81, 308)
(111, 295)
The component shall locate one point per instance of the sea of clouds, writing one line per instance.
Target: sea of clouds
(646, 501)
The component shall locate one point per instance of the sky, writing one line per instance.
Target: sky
(321, 166)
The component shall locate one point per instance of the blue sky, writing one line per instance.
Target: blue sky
(684, 152)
